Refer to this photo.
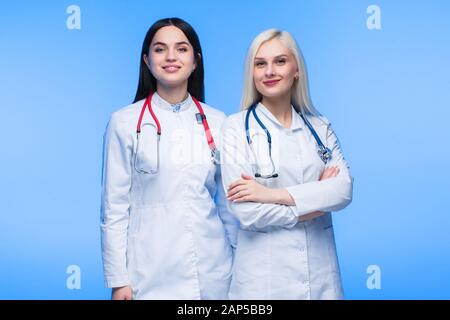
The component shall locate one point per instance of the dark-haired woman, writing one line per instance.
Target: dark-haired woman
(166, 231)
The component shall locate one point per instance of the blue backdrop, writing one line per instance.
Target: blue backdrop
(385, 90)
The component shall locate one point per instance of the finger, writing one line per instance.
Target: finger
(321, 175)
(235, 184)
(246, 176)
(246, 198)
(330, 172)
(335, 172)
(239, 195)
(327, 173)
(235, 190)
(311, 215)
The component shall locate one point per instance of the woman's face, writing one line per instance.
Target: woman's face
(171, 57)
(275, 69)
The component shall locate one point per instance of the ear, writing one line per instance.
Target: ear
(297, 75)
(145, 57)
(199, 57)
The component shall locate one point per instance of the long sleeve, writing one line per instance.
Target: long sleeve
(228, 219)
(327, 195)
(116, 184)
(251, 215)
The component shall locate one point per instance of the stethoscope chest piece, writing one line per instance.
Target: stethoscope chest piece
(324, 153)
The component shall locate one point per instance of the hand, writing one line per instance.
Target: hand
(248, 189)
(122, 293)
(310, 216)
(328, 173)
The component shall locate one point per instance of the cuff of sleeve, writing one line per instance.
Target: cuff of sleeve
(296, 209)
(116, 281)
(294, 218)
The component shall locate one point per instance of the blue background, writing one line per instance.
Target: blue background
(386, 92)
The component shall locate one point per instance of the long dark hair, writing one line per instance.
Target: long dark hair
(147, 82)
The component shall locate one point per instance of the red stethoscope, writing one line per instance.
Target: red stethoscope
(200, 118)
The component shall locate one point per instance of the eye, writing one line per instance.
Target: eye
(260, 64)
(183, 49)
(280, 61)
(158, 49)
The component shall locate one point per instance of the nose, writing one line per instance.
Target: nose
(171, 55)
(269, 70)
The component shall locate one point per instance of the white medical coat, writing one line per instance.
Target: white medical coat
(277, 256)
(163, 234)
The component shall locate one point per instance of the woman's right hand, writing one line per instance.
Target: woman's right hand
(328, 173)
(122, 293)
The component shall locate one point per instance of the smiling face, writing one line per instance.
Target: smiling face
(275, 69)
(171, 57)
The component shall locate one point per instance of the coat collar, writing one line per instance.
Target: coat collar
(319, 123)
(178, 107)
(296, 124)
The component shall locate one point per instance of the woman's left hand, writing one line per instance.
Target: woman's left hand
(248, 189)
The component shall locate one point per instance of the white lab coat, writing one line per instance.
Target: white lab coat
(163, 234)
(278, 257)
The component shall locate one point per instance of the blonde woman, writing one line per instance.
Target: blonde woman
(284, 173)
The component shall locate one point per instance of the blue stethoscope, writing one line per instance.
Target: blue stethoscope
(323, 152)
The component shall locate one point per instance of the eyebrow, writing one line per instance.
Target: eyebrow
(165, 44)
(279, 56)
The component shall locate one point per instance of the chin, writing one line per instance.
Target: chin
(172, 81)
(274, 92)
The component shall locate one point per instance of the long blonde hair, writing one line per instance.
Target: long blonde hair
(299, 93)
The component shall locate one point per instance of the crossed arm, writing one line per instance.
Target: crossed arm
(258, 207)
(248, 189)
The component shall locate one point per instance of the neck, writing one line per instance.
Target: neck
(280, 107)
(172, 94)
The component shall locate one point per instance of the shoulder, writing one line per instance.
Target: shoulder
(235, 120)
(213, 113)
(321, 125)
(233, 130)
(318, 120)
(127, 114)
(126, 117)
